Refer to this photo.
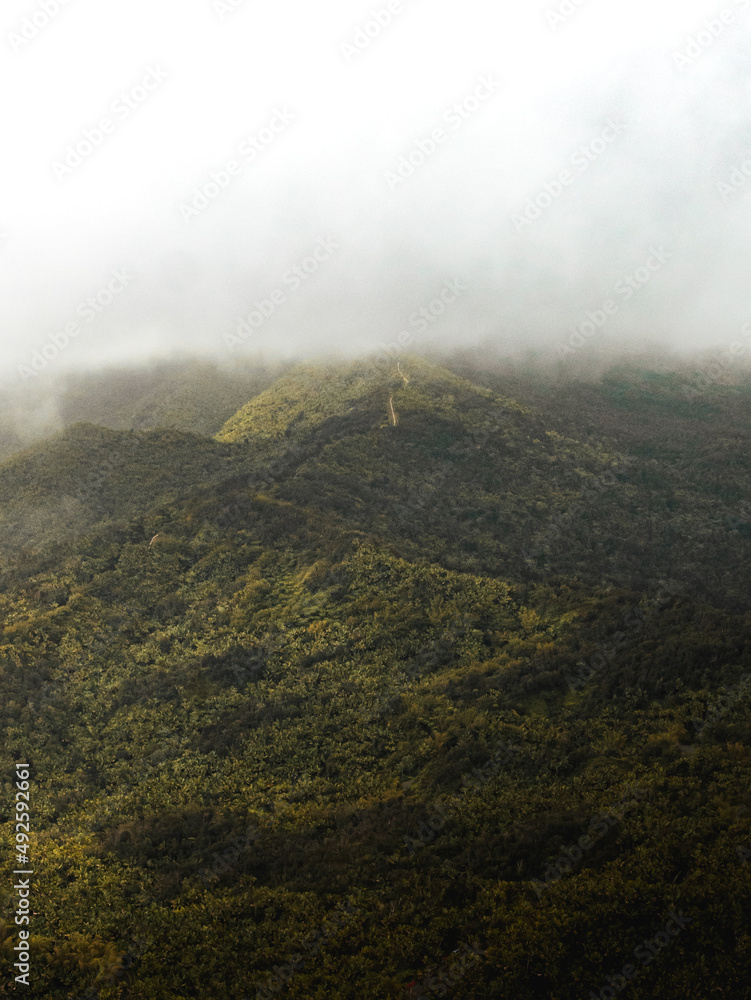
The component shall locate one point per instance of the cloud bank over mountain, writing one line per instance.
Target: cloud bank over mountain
(233, 178)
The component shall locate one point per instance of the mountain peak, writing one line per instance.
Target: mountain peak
(312, 394)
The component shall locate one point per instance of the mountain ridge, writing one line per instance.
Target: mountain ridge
(469, 478)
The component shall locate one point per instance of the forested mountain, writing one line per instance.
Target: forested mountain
(192, 395)
(391, 681)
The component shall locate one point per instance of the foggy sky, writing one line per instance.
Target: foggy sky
(642, 109)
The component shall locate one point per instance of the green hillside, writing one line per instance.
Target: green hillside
(449, 699)
(90, 476)
(195, 396)
(189, 395)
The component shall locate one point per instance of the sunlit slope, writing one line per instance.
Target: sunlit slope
(420, 456)
(435, 466)
(312, 396)
(392, 451)
(608, 487)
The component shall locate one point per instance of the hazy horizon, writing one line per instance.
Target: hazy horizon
(340, 175)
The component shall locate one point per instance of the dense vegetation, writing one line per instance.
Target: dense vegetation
(333, 705)
(193, 395)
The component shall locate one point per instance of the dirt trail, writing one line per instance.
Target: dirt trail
(394, 418)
